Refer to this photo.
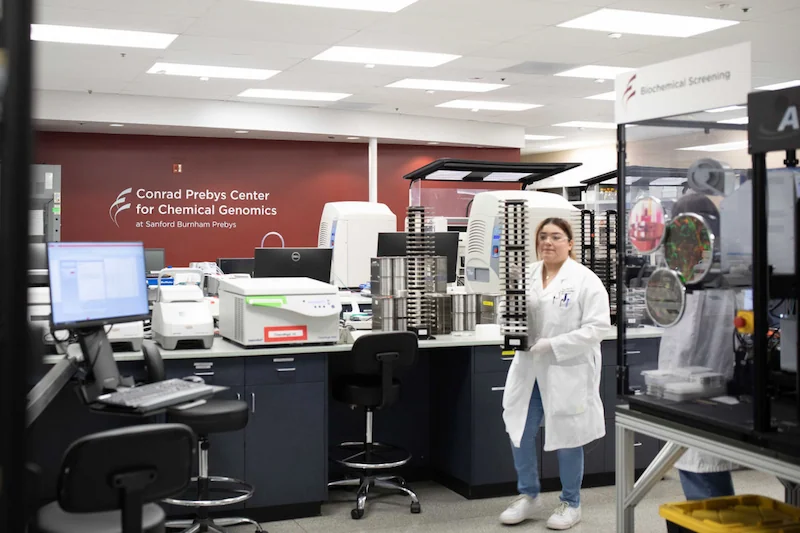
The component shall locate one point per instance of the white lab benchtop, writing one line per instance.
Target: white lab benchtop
(223, 348)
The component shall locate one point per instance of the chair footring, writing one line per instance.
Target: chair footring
(355, 455)
(242, 492)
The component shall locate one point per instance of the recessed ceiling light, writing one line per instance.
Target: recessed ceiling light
(542, 137)
(433, 143)
(740, 120)
(369, 66)
(241, 131)
(444, 85)
(721, 147)
(598, 72)
(430, 92)
(604, 96)
(207, 71)
(641, 23)
(204, 78)
(572, 145)
(725, 109)
(100, 37)
(615, 36)
(276, 94)
(588, 124)
(478, 105)
(116, 125)
(353, 138)
(384, 6)
(381, 56)
(778, 86)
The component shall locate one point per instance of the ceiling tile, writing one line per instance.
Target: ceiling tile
(112, 20)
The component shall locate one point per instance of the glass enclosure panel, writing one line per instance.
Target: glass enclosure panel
(451, 200)
(687, 240)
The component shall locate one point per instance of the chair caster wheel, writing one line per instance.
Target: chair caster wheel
(356, 514)
(416, 508)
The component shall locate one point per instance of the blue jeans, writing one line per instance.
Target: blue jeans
(570, 460)
(707, 485)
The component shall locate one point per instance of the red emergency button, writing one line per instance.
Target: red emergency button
(739, 322)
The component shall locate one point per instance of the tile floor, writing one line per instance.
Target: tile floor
(444, 511)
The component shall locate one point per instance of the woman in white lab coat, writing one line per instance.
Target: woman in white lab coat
(558, 379)
(703, 337)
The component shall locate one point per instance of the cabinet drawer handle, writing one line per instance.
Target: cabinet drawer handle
(498, 389)
(283, 360)
(637, 444)
(203, 373)
(253, 402)
(204, 366)
(290, 369)
(634, 352)
(238, 397)
(507, 358)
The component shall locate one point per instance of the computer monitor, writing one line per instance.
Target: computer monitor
(94, 284)
(236, 265)
(446, 245)
(154, 260)
(314, 263)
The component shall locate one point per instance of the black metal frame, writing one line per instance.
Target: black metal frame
(480, 169)
(15, 343)
(765, 110)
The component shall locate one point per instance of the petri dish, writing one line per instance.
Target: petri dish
(689, 246)
(665, 297)
(646, 225)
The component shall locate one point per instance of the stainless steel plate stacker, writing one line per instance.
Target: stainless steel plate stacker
(514, 259)
(420, 267)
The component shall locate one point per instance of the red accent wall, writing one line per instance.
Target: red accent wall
(299, 177)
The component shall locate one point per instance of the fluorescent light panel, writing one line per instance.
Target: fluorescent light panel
(383, 6)
(444, 85)
(588, 124)
(740, 120)
(596, 72)
(506, 176)
(542, 137)
(454, 175)
(611, 96)
(382, 56)
(206, 71)
(642, 23)
(100, 37)
(721, 147)
(778, 86)
(488, 106)
(276, 94)
(725, 109)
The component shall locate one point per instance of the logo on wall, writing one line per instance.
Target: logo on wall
(119, 205)
(630, 91)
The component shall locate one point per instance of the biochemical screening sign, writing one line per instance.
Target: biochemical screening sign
(188, 208)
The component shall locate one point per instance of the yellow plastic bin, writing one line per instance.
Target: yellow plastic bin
(733, 514)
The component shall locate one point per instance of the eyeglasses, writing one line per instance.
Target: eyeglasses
(554, 237)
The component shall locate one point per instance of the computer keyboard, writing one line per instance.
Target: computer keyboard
(157, 395)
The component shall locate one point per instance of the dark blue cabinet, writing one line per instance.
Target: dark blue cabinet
(285, 443)
(493, 461)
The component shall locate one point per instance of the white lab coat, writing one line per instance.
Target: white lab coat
(703, 337)
(573, 313)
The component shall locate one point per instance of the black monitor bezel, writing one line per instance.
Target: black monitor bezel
(306, 248)
(452, 273)
(88, 324)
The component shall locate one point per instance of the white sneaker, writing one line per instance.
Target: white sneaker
(521, 509)
(564, 517)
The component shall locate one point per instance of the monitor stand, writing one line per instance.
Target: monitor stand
(102, 371)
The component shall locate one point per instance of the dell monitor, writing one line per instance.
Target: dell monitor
(446, 245)
(154, 260)
(314, 263)
(236, 265)
(94, 284)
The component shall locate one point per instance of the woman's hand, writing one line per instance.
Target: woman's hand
(542, 347)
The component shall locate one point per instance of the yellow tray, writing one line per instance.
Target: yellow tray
(734, 514)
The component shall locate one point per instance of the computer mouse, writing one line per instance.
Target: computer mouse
(194, 379)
